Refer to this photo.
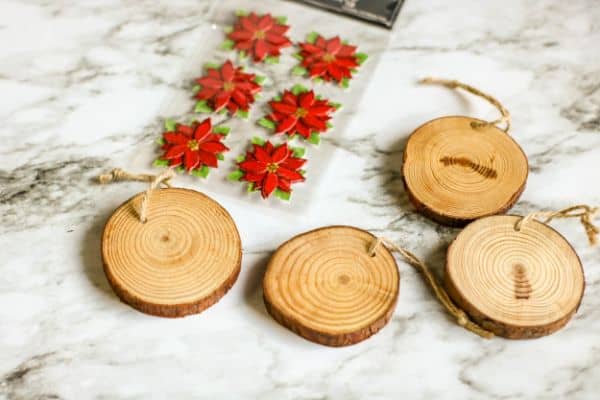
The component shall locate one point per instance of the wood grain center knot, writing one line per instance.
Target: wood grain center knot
(522, 286)
(486, 172)
(344, 279)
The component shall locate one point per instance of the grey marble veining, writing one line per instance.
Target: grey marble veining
(85, 86)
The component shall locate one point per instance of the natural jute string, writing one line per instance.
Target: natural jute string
(452, 84)
(118, 175)
(584, 212)
(461, 317)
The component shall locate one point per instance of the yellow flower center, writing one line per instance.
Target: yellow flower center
(328, 57)
(272, 167)
(301, 112)
(228, 86)
(193, 145)
(259, 34)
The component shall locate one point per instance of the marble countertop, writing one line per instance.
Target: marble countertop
(83, 85)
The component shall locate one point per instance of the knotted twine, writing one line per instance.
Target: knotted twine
(453, 84)
(118, 175)
(461, 317)
(584, 212)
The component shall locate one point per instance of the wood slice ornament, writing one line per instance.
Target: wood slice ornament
(457, 169)
(516, 276)
(169, 252)
(324, 286)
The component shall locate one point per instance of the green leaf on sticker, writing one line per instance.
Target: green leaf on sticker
(337, 106)
(282, 195)
(240, 158)
(266, 123)
(228, 29)
(242, 113)
(362, 57)
(222, 111)
(302, 172)
(297, 89)
(196, 88)
(160, 141)
(298, 70)
(202, 172)
(277, 98)
(258, 140)
(179, 170)
(227, 44)
(220, 156)
(242, 55)
(260, 79)
(317, 80)
(271, 60)
(241, 13)
(329, 124)
(281, 20)
(211, 65)
(312, 37)
(202, 107)
(235, 175)
(250, 187)
(345, 83)
(298, 152)
(221, 130)
(161, 163)
(314, 138)
(298, 56)
(170, 125)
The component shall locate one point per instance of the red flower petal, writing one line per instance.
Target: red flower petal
(320, 110)
(293, 163)
(175, 151)
(191, 159)
(317, 69)
(276, 39)
(283, 108)
(175, 138)
(227, 71)
(202, 129)
(208, 158)
(334, 45)
(302, 129)
(311, 48)
(221, 100)
(289, 98)
(184, 129)
(284, 184)
(286, 124)
(280, 154)
(265, 22)
(250, 177)
(348, 62)
(335, 72)
(261, 154)
(306, 99)
(240, 35)
(244, 45)
(240, 99)
(260, 49)
(175, 162)
(213, 147)
(346, 51)
(247, 23)
(206, 93)
(256, 167)
(315, 123)
(293, 176)
(210, 82)
(278, 29)
(269, 184)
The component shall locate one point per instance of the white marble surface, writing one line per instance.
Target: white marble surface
(83, 84)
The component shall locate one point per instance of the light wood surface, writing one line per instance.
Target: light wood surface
(324, 286)
(181, 261)
(517, 284)
(454, 173)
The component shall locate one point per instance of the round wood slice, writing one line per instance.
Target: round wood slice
(454, 173)
(181, 261)
(517, 284)
(324, 286)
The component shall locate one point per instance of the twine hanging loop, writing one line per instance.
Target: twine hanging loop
(453, 84)
(585, 213)
(119, 175)
(460, 316)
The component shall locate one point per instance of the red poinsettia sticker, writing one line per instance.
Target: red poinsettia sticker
(194, 148)
(226, 87)
(260, 36)
(300, 111)
(270, 169)
(328, 59)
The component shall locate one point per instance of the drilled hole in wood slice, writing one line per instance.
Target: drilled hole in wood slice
(181, 261)
(324, 286)
(518, 284)
(454, 173)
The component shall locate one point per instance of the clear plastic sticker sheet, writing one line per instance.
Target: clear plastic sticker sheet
(277, 74)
